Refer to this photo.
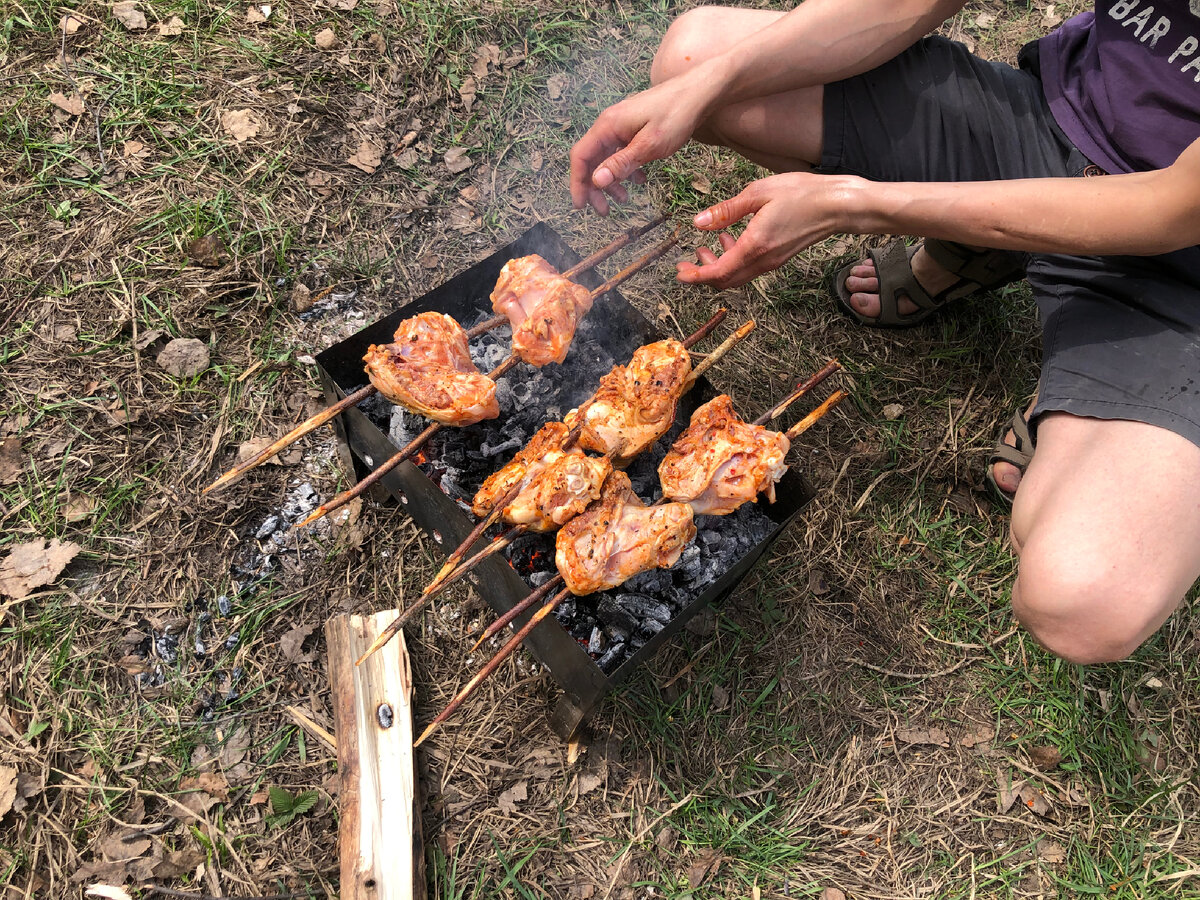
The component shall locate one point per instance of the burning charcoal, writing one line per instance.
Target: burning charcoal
(642, 607)
(711, 540)
(611, 613)
(609, 660)
(613, 633)
(269, 526)
(537, 579)
(566, 611)
(596, 642)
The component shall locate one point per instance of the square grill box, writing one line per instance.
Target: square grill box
(595, 642)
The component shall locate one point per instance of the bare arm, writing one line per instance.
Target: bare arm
(817, 42)
(1141, 215)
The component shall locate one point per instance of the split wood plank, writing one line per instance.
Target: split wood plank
(379, 835)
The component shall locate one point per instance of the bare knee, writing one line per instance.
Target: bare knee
(1081, 607)
(692, 38)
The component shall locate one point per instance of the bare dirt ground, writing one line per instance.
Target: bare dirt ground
(862, 716)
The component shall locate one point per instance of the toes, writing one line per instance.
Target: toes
(1008, 477)
(862, 284)
(865, 304)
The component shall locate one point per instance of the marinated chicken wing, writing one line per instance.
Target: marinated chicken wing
(428, 370)
(721, 462)
(558, 492)
(543, 307)
(618, 537)
(548, 440)
(635, 404)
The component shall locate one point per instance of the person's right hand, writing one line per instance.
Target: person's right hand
(642, 128)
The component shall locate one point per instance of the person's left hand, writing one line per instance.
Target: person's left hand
(791, 212)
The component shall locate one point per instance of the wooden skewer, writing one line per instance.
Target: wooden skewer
(813, 417)
(363, 393)
(800, 390)
(493, 663)
(292, 436)
(724, 347)
(516, 610)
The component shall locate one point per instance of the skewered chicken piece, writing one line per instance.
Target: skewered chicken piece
(721, 462)
(635, 404)
(427, 369)
(618, 537)
(543, 307)
(353, 399)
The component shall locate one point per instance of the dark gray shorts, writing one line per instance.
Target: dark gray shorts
(1121, 334)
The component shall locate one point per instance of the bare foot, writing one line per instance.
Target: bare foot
(1008, 476)
(864, 285)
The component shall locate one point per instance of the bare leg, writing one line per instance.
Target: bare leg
(1107, 525)
(781, 132)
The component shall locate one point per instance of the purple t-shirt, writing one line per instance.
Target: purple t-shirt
(1123, 82)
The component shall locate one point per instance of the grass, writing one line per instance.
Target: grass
(786, 751)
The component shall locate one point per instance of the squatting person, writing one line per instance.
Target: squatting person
(876, 128)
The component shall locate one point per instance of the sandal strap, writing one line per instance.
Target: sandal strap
(1021, 454)
(893, 268)
(986, 268)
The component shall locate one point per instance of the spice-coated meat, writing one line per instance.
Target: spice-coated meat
(618, 537)
(635, 404)
(546, 442)
(559, 491)
(721, 462)
(427, 369)
(543, 307)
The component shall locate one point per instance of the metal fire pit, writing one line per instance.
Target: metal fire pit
(364, 444)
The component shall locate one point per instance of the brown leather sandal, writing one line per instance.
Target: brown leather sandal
(976, 270)
(1020, 455)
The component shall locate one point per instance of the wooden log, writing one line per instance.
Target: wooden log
(379, 836)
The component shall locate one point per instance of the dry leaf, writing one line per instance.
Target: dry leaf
(108, 891)
(892, 411)
(556, 84)
(488, 54)
(79, 507)
(346, 5)
(516, 794)
(457, 160)
(317, 178)
(8, 789)
(706, 864)
(69, 24)
(170, 28)
(235, 747)
(255, 446)
(129, 15)
(208, 250)
(430, 260)
(832, 893)
(985, 20)
(589, 781)
(1050, 18)
(134, 148)
(1052, 852)
(377, 42)
(291, 644)
(241, 124)
(34, 564)
(11, 460)
(1045, 756)
(467, 92)
(536, 161)
(177, 862)
(934, 736)
(701, 184)
(256, 15)
(184, 357)
(326, 39)
(367, 157)
(978, 736)
(72, 105)
(1029, 796)
(407, 159)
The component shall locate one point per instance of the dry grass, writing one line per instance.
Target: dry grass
(850, 719)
